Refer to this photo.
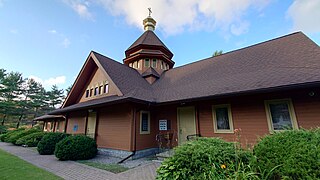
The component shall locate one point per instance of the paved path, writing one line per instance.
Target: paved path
(73, 170)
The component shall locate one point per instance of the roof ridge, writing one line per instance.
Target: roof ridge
(240, 49)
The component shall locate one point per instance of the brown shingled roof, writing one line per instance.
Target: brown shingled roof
(148, 38)
(287, 61)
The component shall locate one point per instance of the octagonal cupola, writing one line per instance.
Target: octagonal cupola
(149, 52)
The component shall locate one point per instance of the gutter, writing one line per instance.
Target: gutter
(135, 138)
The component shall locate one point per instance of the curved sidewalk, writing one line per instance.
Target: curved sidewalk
(73, 170)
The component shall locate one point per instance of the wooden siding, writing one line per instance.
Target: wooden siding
(77, 118)
(144, 141)
(98, 77)
(114, 127)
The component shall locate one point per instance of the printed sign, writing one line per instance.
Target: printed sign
(163, 125)
(75, 128)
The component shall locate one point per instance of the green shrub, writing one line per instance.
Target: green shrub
(31, 140)
(5, 137)
(292, 154)
(77, 147)
(48, 142)
(204, 158)
(3, 129)
(14, 137)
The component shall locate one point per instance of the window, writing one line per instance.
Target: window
(280, 115)
(87, 93)
(96, 91)
(138, 64)
(130, 64)
(222, 119)
(135, 64)
(100, 89)
(144, 122)
(154, 63)
(146, 63)
(106, 88)
(58, 126)
(91, 92)
(51, 125)
(161, 65)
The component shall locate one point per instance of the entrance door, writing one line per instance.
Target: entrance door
(91, 125)
(186, 123)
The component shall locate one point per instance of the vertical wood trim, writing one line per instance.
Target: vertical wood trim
(54, 126)
(197, 120)
(97, 123)
(66, 123)
(86, 124)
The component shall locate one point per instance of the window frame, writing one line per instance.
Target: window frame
(154, 63)
(214, 118)
(145, 62)
(144, 132)
(292, 113)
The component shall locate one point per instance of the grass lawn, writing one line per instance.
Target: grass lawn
(12, 167)
(115, 168)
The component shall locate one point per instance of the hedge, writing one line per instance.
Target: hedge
(31, 140)
(5, 137)
(78, 147)
(14, 137)
(293, 154)
(48, 142)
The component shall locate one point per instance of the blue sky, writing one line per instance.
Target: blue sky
(50, 40)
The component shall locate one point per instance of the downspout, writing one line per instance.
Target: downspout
(134, 136)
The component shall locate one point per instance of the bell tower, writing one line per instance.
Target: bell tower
(148, 54)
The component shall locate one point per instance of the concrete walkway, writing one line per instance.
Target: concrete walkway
(73, 170)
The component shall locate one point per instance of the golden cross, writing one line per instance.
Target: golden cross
(149, 11)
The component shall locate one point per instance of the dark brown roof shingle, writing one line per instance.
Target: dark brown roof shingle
(289, 60)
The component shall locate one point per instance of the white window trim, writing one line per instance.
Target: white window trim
(216, 130)
(144, 132)
(291, 113)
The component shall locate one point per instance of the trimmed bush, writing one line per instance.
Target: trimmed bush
(14, 137)
(31, 140)
(77, 147)
(3, 129)
(203, 158)
(48, 142)
(5, 137)
(292, 154)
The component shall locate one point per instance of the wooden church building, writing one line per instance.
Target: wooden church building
(135, 106)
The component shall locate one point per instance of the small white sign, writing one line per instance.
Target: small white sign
(163, 125)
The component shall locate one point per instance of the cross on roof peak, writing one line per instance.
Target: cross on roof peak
(149, 9)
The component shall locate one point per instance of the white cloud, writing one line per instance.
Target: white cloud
(80, 7)
(66, 43)
(52, 31)
(1, 3)
(14, 31)
(174, 16)
(305, 15)
(241, 28)
(48, 83)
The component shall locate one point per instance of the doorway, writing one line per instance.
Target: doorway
(186, 123)
(91, 124)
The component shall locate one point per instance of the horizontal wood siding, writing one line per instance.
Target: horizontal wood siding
(76, 118)
(114, 127)
(307, 111)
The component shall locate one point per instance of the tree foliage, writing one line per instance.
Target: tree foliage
(217, 53)
(23, 99)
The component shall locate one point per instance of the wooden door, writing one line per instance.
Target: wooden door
(186, 123)
(91, 125)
